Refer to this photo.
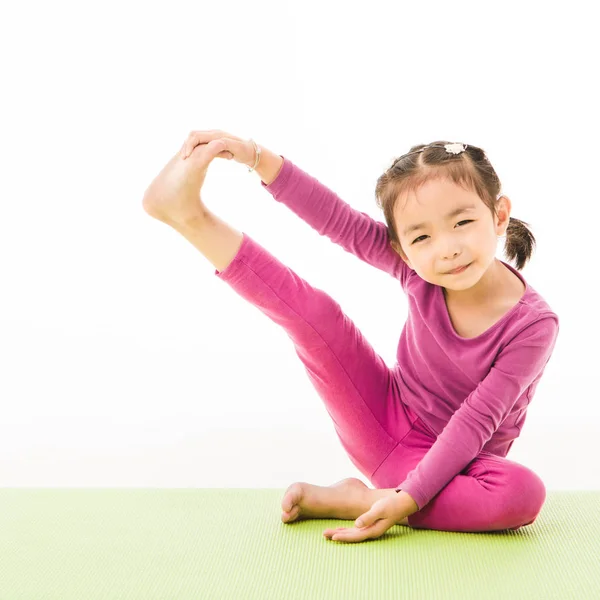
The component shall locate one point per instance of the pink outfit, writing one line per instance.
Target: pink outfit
(440, 422)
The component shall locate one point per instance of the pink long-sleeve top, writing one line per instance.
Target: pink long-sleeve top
(472, 393)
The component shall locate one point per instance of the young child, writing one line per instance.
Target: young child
(439, 424)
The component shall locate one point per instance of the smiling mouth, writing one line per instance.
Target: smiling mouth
(459, 270)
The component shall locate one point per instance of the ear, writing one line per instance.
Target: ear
(401, 252)
(503, 209)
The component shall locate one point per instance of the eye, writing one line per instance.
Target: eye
(422, 236)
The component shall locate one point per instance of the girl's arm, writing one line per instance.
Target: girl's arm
(329, 215)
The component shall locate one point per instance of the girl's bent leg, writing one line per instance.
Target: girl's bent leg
(491, 493)
(350, 377)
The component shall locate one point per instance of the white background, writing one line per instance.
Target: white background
(125, 361)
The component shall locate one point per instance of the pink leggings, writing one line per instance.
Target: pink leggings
(382, 436)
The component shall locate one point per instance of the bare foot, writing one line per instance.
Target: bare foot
(346, 499)
(174, 194)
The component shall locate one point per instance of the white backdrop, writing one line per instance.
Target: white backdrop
(125, 361)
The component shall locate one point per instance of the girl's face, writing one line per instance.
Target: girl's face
(443, 226)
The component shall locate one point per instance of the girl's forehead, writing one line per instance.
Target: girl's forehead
(437, 194)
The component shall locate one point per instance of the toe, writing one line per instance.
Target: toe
(291, 497)
(292, 515)
(288, 502)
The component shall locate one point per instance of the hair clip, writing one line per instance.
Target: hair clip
(455, 148)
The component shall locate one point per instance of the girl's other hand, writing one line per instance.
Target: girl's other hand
(242, 151)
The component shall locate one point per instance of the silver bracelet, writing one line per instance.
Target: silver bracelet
(257, 150)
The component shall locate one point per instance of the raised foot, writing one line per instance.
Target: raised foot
(174, 194)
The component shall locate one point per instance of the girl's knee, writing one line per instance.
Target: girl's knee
(527, 493)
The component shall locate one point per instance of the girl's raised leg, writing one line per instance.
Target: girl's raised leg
(353, 381)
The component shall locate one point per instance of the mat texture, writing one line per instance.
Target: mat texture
(88, 544)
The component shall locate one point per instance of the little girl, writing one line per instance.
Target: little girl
(439, 424)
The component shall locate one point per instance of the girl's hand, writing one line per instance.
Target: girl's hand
(383, 514)
(240, 150)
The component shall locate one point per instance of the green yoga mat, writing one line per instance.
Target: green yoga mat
(88, 544)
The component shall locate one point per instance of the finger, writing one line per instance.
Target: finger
(224, 152)
(228, 152)
(216, 147)
(200, 137)
(195, 138)
(348, 532)
(366, 519)
(351, 535)
(354, 534)
(232, 146)
(377, 511)
(205, 153)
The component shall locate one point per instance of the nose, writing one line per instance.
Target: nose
(449, 256)
(449, 251)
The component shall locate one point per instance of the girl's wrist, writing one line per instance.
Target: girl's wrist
(268, 166)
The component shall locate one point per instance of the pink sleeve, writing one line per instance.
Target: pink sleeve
(355, 231)
(516, 366)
